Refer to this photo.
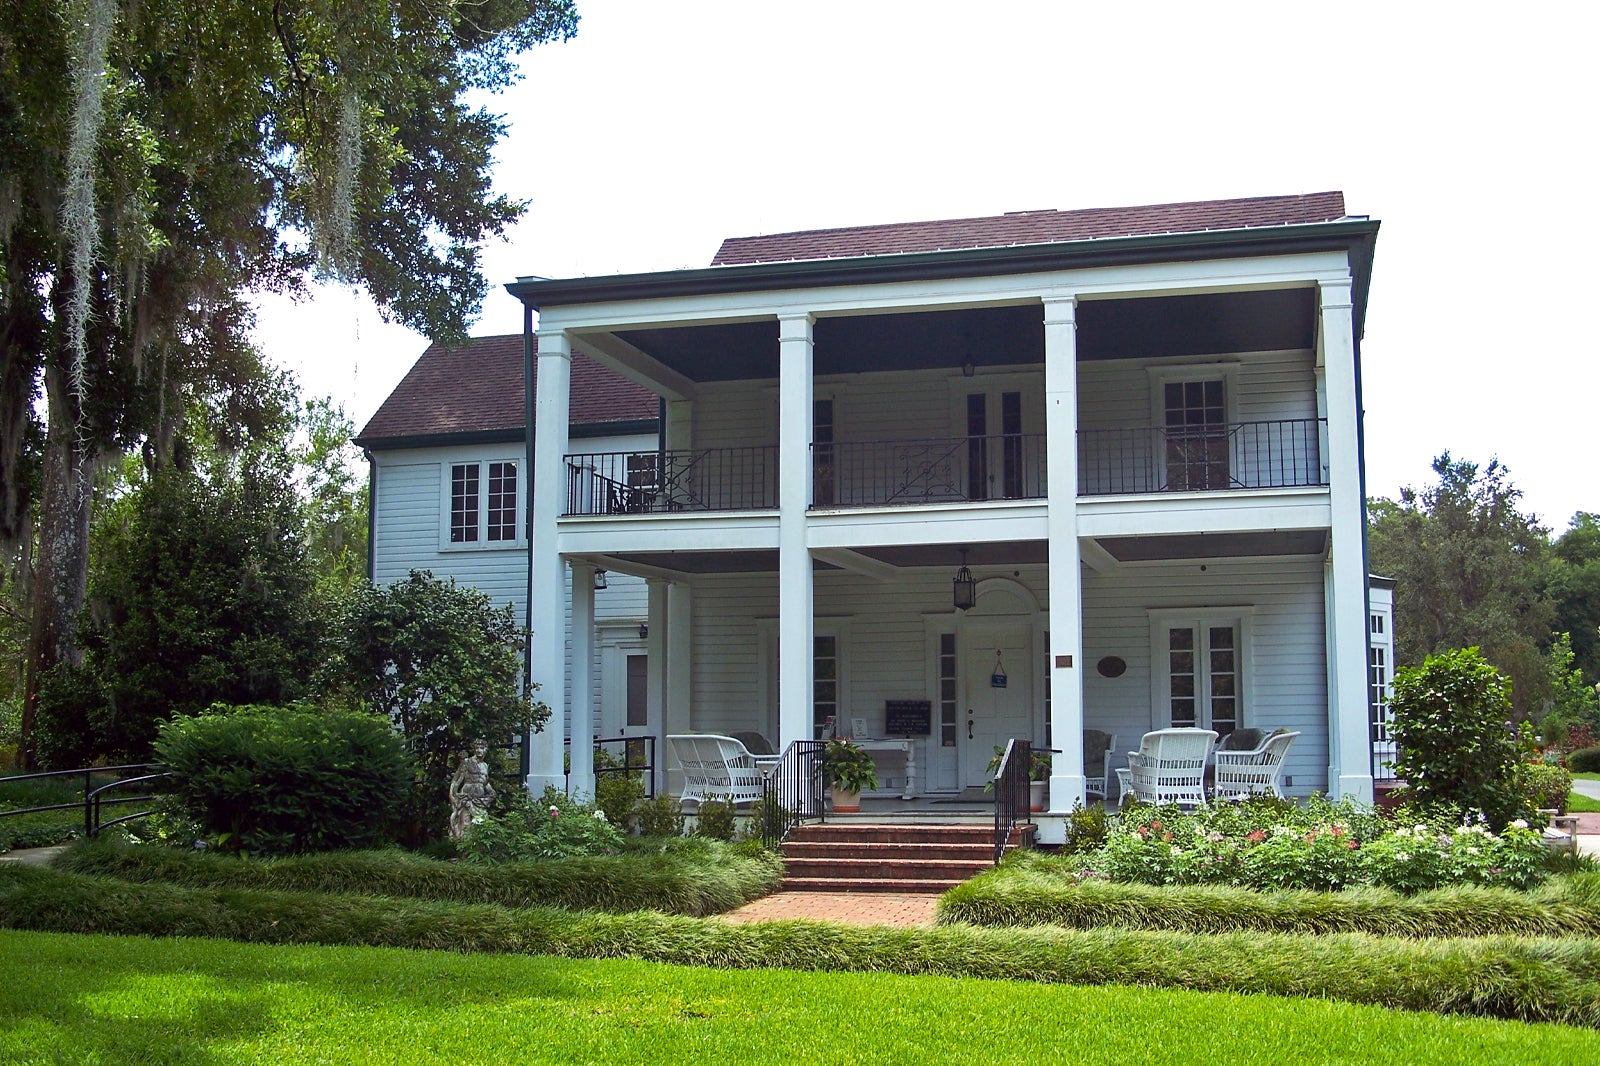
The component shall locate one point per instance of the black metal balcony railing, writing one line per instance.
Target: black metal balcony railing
(710, 479)
(936, 470)
(1286, 453)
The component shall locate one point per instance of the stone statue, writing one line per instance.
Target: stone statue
(470, 791)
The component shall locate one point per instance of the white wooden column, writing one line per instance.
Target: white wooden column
(580, 782)
(1349, 753)
(680, 669)
(794, 559)
(680, 425)
(1066, 575)
(546, 613)
(655, 647)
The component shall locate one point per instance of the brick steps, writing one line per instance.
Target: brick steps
(887, 858)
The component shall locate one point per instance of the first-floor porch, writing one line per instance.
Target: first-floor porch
(1216, 641)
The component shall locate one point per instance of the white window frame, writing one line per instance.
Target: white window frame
(1176, 373)
(483, 543)
(1161, 621)
(767, 673)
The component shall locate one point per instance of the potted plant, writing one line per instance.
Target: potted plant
(849, 770)
(1038, 779)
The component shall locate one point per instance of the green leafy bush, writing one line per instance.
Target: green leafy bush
(1585, 760)
(715, 820)
(1452, 735)
(617, 791)
(557, 827)
(1544, 785)
(660, 817)
(283, 780)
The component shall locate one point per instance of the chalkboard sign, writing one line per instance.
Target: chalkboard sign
(908, 718)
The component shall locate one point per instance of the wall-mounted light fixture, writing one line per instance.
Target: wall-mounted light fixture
(968, 369)
(964, 588)
(644, 630)
(599, 580)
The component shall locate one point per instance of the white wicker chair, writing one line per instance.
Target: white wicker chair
(1170, 767)
(1257, 772)
(716, 767)
(1099, 749)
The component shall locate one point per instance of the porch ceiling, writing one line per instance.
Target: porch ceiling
(1215, 545)
(1209, 324)
(999, 553)
(713, 562)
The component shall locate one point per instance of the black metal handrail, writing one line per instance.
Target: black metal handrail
(791, 792)
(898, 473)
(1011, 793)
(1283, 453)
(708, 479)
(93, 798)
(638, 757)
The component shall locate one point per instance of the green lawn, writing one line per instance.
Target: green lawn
(133, 1000)
(1577, 803)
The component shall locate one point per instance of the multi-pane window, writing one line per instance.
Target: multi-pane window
(1011, 451)
(1380, 722)
(484, 502)
(502, 516)
(1196, 435)
(825, 682)
(977, 446)
(822, 453)
(1203, 677)
(464, 503)
(947, 690)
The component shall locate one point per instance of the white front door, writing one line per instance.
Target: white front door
(998, 668)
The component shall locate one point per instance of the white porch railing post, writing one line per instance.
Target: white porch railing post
(794, 558)
(1066, 576)
(581, 781)
(1349, 754)
(547, 623)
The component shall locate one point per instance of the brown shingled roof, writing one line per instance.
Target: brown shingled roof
(477, 388)
(1032, 227)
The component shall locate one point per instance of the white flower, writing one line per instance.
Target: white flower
(1519, 824)
(599, 814)
(1176, 850)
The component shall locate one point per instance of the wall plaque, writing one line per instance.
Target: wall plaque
(908, 718)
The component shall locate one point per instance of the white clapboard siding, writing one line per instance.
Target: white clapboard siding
(408, 526)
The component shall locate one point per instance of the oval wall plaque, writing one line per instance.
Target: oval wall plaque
(1111, 666)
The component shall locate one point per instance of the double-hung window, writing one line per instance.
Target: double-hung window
(483, 501)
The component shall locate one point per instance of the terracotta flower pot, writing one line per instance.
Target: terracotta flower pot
(845, 802)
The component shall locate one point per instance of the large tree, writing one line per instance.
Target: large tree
(160, 159)
(1574, 589)
(1468, 570)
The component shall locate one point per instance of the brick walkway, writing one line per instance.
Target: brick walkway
(850, 908)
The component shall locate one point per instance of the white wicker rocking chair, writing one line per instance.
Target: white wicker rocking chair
(1258, 772)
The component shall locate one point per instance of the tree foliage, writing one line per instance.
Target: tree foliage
(443, 664)
(1468, 568)
(202, 593)
(160, 160)
(335, 493)
(1574, 590)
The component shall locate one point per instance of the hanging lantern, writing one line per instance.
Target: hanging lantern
(965, 588)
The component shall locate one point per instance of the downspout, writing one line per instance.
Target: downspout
(528, 371)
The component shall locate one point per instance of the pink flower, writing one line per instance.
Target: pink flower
(1256, 836)
(555, 812)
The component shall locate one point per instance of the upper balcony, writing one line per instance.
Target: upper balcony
(1281, 453)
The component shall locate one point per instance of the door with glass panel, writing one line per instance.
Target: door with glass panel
(1203, 687)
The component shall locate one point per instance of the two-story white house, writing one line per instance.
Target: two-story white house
(1138, 430)
(448, 457)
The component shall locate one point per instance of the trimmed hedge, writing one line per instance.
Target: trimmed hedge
(285, 780)
(1585, 761)
(1022, 894)
(688, 879)
(1529, 979)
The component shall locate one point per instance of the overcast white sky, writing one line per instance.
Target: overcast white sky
(662, 128)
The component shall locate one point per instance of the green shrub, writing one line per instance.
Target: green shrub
(283, 780)
(1086, 829)
(1585, 760)
(715, 819)
(557, 827)
(1453, 740)
(660, 817)
(618, 791)
(1544, 785)
(690, 875)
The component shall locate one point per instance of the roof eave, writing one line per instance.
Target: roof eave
(1357, 236)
